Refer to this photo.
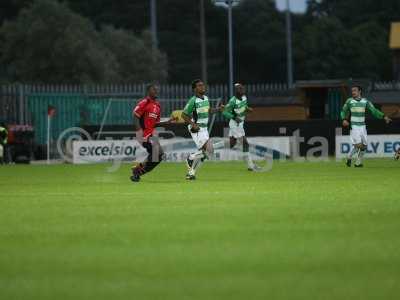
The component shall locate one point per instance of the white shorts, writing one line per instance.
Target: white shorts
(236, 130)
(201, 137)
(358, 135)
(1, 150)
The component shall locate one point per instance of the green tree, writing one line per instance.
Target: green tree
(136, 62)
(375, 58)
(260, 42)
(48, 43)
(324, 49)
(344, 39)
(9, 9)
(355, 12)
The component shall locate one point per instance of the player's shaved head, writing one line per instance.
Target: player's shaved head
(152, 90)
(198, 86)
(239, 89)
(150, 86)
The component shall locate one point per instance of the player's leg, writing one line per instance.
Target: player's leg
(232, 135)
(232, 142)
(397, 154)
(358, 148)
(237, 132)
(355, 139)
(1, 154)
(361, 155)
(205, 149)
(155, 156)
(208, 150)
(362, 148)
(200, 140)
(351, 154)
(199, 154)
(246, 146)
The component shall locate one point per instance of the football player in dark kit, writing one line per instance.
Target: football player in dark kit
(147, 117)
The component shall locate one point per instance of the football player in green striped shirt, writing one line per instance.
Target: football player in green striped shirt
(235, 111)
(353, 114)
(195, 114)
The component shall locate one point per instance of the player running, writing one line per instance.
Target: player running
(355, 108)
(235, 111)
(147, 116)
(195, 114)
(396, 114)
(397, 154)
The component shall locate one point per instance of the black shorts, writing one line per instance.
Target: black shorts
(154, 150)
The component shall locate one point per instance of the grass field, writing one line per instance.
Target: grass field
(300, 231)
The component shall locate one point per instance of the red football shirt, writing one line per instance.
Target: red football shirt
(148, 110)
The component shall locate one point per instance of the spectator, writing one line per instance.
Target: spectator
(3, 142)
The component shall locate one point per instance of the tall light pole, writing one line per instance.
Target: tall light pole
(289, 46)
(203, 43)
(228, 4)
(230, 33)
(153, 23)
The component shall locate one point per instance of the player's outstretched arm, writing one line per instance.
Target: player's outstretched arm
(169, 121)
(187, 118)
(213, 110)
(377, 113)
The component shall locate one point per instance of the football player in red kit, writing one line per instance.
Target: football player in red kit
(147, 117)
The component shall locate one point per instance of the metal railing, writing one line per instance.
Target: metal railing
(15, 98)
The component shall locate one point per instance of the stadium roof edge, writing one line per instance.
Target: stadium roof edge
(328, 83)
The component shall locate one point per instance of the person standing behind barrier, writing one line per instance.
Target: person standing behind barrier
(3, 142)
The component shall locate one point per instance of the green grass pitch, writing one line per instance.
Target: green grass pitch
(300, 231)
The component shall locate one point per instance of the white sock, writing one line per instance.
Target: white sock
(197, 158)
(195, 166)
(360, 156)
(197, 154)
(250, 163)
(352, 152)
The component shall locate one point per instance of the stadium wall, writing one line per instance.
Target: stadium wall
(307, 130)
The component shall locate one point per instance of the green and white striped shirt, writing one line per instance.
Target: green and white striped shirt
(357, 108)
(198, 109)
(236, 108)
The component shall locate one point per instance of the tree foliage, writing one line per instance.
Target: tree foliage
(49, 43)
(106, 40)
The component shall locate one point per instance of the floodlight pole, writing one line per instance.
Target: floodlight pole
(203, 43)
(153, 23)
(230, 33)
(228, 4)
(48, 137)
(289, 46)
